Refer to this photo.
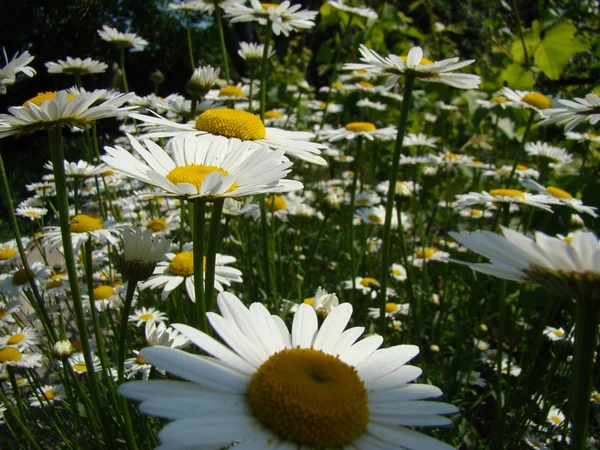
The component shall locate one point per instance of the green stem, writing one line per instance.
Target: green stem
(78, 80)
(194, 105)
(198, 238)
(521, 147)
(222, 40)
(586, 337)
(386, 241)
(357, 166)
(15, 415)
(131, 284)
(520, 31)
(263, 71)
(498, 433)
(123, 74)
(213, 242)
(189, 41)
(267, 254)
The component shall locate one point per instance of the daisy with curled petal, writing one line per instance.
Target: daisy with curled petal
(365, 12)
(31, 213)
(422, 68)
(59, 109)
(311, 387)
(76, 66)
(505, 196)
(577, 111)
(555, 334)
(535, 101)
(136, 365)
(168, 275)
(144, 315)
(282, 18)
(554, 155)
(562, 196)
(205, 167)
(127, 40)
(234, 124)
(46, 395)
(568, 267)
(354, 130)
(18, 64)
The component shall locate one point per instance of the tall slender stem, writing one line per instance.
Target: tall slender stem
(198, 238)
(222, 40)
(123, 74)
(189, 42)
(389, 206)
(521, 147)
(131, 284)
(498, 428)
(213, 242)
(357, 166)
(586, 337)
(263, 71)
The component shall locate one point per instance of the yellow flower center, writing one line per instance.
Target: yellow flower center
(3, 312)
(86, 222)
(146, 317)
(231, 91)
(103, 292)
(596, 397)
(512, 193)
(182, 265)
(276, 203)
(559, 333)
(357, 127)
(309, 301)
(363, 201)
(6, 253)
(540, 101)
(427, 253)
(80, 367)
(391, 307)
(140, 360)
(521, 167)
(423, 62)
(273, 114)
(337, 85)
(269, 5)
(231, 123)
(194, 174)
(590, 135)
(366, 84)
(498, 100)
(53, 284)
(452, 156)
(15, 339)
(47, 395)
(20, 277)
(310, 398)
(44, 97)
(157, 225)
(397, 272)
(10, 354)
(471, 378)
(361, 72)
(375, 218)
(476, 213)
(558, 193)
(368, 281)
(557, 420)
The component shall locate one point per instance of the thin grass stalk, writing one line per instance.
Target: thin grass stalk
(222, 40)
(123, 74)
(131, 285)
(263, 70)
(213, 243)
(351, 218)
(198, 239)
(521, 147)
(189, 42)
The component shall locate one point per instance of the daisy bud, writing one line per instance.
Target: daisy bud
(483, 327)
(202, 80)
(434, 348)
(63, 349)
(157, 77)
(576, 221)
(141, 252)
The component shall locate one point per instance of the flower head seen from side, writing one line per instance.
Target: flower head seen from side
(253, 52)
(314, 387)
(234, 124)
(283, 18)
(535, 101)
(365, 12)
(18, 64)
(59, 109)
(562, 196)
(574, 112)
(127, 40)
(569, 267)
(394, 66)
(506, 196)
(200, 168)
(141, 252)
(76, 66)
(354, 130)
(555, 156)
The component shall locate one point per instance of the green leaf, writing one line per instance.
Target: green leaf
(531, 39)
(558, 46)
(517, 77)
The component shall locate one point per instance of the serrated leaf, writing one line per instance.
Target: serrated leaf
(558, 46)
(517, 77)
(531, 39)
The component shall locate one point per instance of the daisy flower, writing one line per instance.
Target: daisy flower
(568, 267)
(419, 140)
(375, 215)
(126, 40)
(511, 196)
(8, 253)
(46, 395)
(59, 109)
(253, 52)
(403, 188)
(521, 172)
(555, 334)
(562, 196)
(323, 302)
(554, 155)
(85, 226)
(190, 6)
(80, 169)
(575, 112)
(525, 99)
(582, 137)
(7, 310)
(422, 68)
(230, 93)
(365, 12)
(428, 255)
(136, 365)
(494, 102)
(234, 124)
(144, 315)
(168, 275)
(398, 272)
(31, 213)
(17, 280)
(391, 309)
(21, 338)
(106, 297)
(141, 252)
(474, 379)
(353, 130)
(283, 18)
(15, 357)
(367, 285)
(76, 66)
(157, 333)
(311, 387)
(77, 363)
(205, 168)
(555, 417)
(18, 64)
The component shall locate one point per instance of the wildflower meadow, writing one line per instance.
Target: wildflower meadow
(339, 224)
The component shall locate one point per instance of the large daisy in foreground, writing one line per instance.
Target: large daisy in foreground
(311, 388)
(205, 168)
(242, 125)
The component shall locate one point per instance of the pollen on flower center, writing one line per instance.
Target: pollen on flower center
(310, 398)
(48, 395)
(273, 114)
(232, 123)
(15, 339)
(423, 62)
(452, 156)
(80, 367)
(558, 193)
(375, 218)
(183, 264)
(275, 203)
(6, 253)
(427, 253)
(540, 101)
(146, 317)
(366, 84)
(512, 193)
(20, 277)
(140, 360)
(157, 225)
(231, 91)
(193, 174)
(53, 284)
(309, 300)
(391, 307)
(358, 127)
(368, 281)
(498, 100)
(10, 354)
(44, 97)
(103, 292)
(269, 5)
(86, 222)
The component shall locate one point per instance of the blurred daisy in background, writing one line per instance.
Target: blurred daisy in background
(127, 40)
(574, 112)
(76, 66)
(562, 196)
(18, 64)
